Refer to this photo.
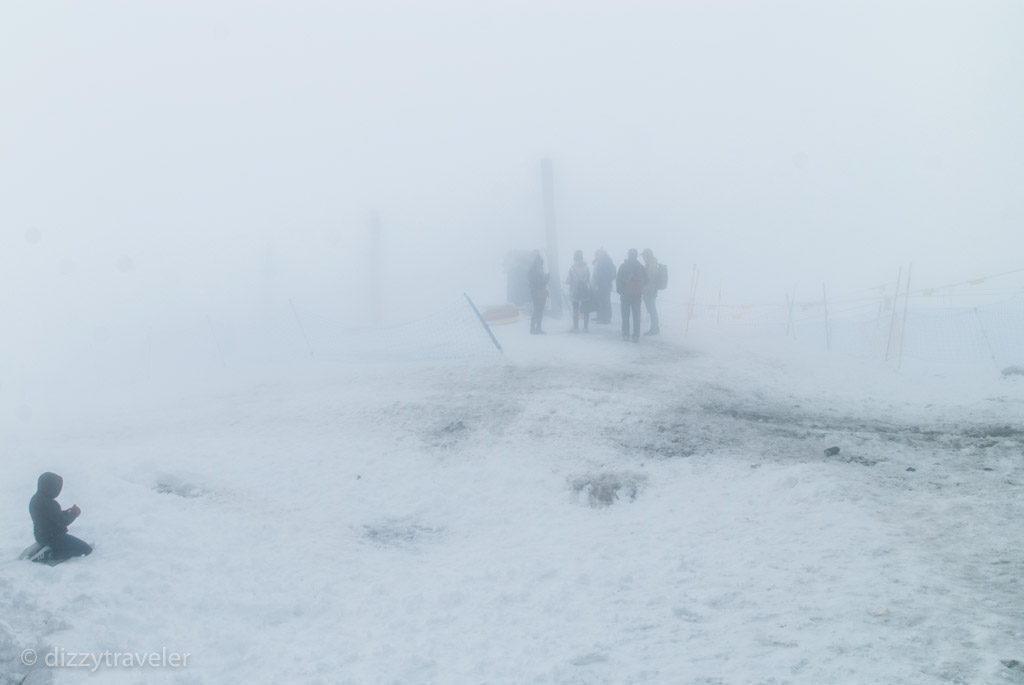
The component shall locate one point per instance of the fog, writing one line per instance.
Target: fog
(788, 474)
(165, 162)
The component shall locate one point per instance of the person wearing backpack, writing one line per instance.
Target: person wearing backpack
(650, 294)
(578, 280)
(630, 283)
(604, 279)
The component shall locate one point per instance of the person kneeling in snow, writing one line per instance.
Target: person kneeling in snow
(50, 524)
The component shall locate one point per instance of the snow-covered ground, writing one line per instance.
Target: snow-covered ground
(579, 510)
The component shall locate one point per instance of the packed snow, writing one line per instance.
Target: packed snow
(576, 510)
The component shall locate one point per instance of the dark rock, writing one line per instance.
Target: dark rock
(604, 489)
(911, 468)
(1013, 371)
(831, 451)
(1011, 663)
(454, 427)
(863, 461)
(172, 485)
(400, 533)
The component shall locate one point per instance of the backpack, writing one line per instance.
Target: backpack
(661, 281)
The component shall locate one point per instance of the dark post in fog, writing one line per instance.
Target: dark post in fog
(555, 286)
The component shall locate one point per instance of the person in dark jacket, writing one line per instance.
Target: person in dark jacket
(538, 292)
(604, 278)
(630, 283)
(50, 524)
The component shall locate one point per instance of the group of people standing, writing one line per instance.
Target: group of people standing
(591, 291)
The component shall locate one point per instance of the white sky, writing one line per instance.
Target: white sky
(772, 143)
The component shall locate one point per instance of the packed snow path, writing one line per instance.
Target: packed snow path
(581, 510)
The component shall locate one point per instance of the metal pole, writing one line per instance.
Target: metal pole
(483, 322)
(903, 326)
(988, 343)
(693, 298)
(892, 319)
(555, 285)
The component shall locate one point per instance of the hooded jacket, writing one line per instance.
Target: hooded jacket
(48, 521)
(578, 281)
(631, 279)
(604, 271)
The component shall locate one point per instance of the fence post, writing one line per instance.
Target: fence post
(693, 299)
(903, 326)
(988, 343)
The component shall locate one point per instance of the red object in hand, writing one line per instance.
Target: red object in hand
(75, 510)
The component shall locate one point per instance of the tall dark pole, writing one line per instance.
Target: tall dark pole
(555, 286)
(375, 271)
